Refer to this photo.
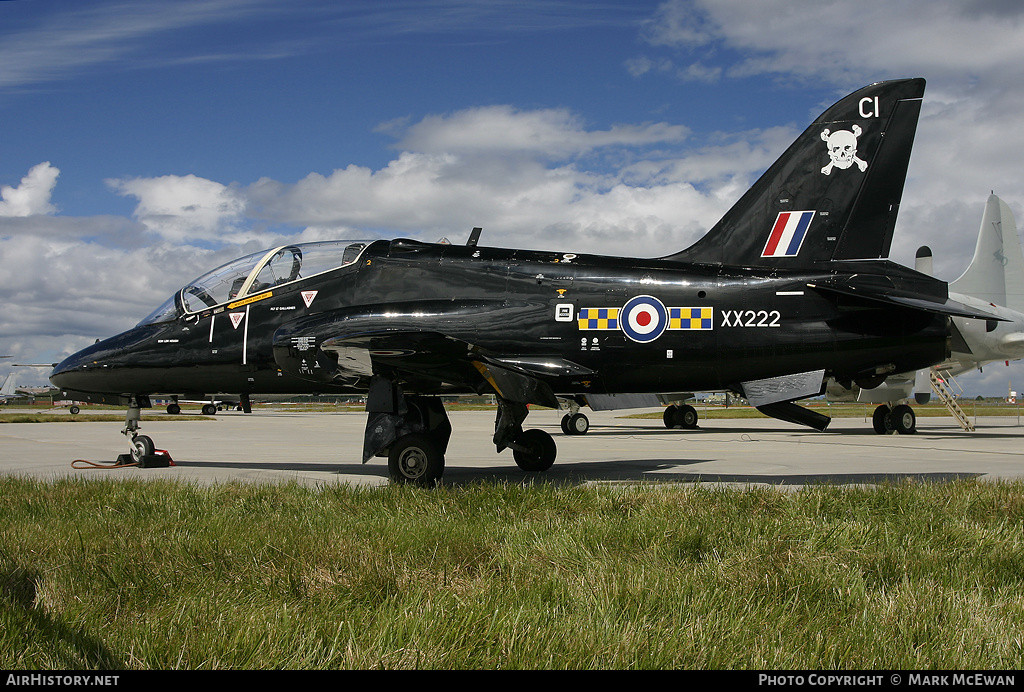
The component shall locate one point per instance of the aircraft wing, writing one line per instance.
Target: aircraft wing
(942, 306)
(430, 345)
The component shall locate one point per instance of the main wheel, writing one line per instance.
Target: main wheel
(881, 420)
(142, 446)
(684, 416)
(538, 453)
(904, 420)
(415, 459)
(688, 416)
(669, 416)
(575, 424)
(173, 409)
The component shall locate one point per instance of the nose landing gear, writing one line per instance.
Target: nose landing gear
(141, 450)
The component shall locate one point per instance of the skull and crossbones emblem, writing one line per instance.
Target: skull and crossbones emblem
(842, 149)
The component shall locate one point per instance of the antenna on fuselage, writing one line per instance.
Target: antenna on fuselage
(474, 236)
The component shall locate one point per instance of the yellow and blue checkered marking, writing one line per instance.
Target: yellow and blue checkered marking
(691, 318)
(598, 318)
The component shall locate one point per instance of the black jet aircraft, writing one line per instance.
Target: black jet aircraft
(790, 288)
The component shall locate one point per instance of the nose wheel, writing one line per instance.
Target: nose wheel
(139, 446)
(142, 446)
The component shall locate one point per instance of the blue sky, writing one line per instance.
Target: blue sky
(146, 142)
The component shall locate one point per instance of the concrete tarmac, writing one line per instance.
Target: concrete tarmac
(273, 445)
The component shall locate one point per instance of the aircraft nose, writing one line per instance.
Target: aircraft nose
(71, 373)
(112, 366)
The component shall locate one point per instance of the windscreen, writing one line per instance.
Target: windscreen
(257, 272)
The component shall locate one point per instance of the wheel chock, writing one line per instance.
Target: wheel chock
(159, 460)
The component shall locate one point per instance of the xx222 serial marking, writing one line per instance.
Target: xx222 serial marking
(751, 318)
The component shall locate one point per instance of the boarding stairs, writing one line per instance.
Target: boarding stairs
(940, 385)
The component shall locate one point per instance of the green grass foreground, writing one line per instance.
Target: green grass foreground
(118, 574)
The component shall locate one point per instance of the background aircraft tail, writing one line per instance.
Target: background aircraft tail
(996, 273)
(833, 195)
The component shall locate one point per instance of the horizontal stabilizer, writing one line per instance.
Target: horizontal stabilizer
(942, 307)
(1013, 345)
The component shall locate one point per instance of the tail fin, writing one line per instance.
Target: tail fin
(833, 195)
(996, 273)
(9, 388)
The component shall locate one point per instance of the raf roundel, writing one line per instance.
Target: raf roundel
(644, 319)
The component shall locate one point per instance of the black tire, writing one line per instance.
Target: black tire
(173, 409)
(688, 416)
(670, 417)
(74, 410)
(565, 425)
(539, 453)
(142, 446)
(577, 424)
(881, 420)
(415, 459)
(904, 420)
(209, 410)
(680, 416)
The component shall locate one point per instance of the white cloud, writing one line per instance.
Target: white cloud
(552, 133)
(518, 174)
(183, 208)
(843, 41)
(32, 196)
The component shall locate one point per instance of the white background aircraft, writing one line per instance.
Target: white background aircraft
(994, 282)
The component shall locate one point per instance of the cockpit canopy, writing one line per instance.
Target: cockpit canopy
(257, 272)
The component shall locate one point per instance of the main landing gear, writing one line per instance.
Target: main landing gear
(534, 450)
(675, 416)
(894, 419)
(574, 422)
(413, 433)
(680, 416)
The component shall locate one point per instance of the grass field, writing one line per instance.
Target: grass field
(118, 574)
